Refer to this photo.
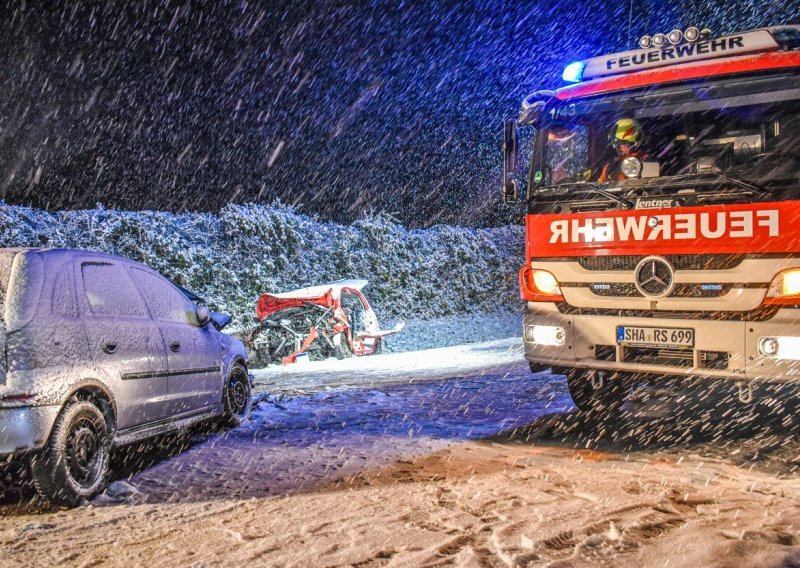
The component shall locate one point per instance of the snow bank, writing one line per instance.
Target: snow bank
(231, 257)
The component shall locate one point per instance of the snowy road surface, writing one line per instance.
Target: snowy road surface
(413, 366)
(488, 465)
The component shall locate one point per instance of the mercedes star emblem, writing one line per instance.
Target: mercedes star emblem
(654, 277)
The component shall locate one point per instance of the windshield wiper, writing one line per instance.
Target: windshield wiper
(742, 183)
(626, 203)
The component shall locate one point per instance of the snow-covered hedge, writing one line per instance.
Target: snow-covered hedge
(231, 257)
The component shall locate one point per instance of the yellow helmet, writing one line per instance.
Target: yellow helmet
(626, 131)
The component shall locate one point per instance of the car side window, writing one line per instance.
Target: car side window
(63, 302)
(166, 302)
(110, 291)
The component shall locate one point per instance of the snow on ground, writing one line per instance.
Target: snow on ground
(487, 465)
(454, 330)
(406, 367)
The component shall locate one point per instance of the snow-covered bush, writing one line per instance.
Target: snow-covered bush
(232, 257)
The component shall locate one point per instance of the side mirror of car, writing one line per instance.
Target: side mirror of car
(510, 157)
(203, 315)
(220, 320)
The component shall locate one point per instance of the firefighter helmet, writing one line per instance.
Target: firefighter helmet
(626, 131)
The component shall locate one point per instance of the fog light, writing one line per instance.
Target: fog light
(631, 167)
(645, 42)
(787, 347)
(545, 335)
(659, 40)
(675, 37)
(768, 346)
(691, 34)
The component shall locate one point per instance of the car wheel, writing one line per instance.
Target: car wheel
(609, 398)
(343, 350)
(237, 397)
(74, 464)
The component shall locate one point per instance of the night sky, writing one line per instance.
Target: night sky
(338, 108)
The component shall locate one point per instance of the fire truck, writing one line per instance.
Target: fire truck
(663, 215)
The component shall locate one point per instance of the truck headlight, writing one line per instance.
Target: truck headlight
(631, 167)
(785, 288)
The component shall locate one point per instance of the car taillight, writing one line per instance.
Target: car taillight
(785, 288)
(538, 286)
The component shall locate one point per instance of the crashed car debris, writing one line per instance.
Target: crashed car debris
(329, 320)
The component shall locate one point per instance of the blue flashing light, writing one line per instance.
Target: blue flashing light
(573, 73)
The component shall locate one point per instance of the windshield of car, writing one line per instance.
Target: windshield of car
(608, 143)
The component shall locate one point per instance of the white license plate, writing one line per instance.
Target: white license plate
(655, 336)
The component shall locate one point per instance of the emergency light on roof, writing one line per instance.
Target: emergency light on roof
(663, 52)
(573, 73)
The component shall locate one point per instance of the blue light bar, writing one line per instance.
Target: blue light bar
(573, 73)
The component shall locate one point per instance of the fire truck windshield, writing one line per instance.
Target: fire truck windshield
(606, 143)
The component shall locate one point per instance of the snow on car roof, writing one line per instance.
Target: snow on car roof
(321, 289)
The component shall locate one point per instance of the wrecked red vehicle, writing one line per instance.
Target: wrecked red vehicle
(330, 320)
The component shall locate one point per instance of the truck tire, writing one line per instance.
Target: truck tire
(73, 465)
(237, 397)
(607, 399)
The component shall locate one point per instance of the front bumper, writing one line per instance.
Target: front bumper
(25, 428)
(723, 349)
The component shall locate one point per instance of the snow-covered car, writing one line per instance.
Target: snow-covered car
(98, 352)
(329, 320)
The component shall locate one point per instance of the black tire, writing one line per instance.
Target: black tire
(343, 350)
(73, 466)
(607, 399)
(237, 397)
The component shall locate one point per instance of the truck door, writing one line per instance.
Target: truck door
(194, 352)
(125, 344)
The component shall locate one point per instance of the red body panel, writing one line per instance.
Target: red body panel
(683, 72)
(721, 229)
(269, 304)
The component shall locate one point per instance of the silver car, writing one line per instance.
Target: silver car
(97, 352)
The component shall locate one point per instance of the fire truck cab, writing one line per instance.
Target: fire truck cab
(663, 214)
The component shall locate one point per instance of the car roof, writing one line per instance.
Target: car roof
(70, 253)
(322, 289)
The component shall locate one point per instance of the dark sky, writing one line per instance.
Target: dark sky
(339, 108)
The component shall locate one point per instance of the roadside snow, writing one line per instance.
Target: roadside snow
(453, 330)
(413, 366)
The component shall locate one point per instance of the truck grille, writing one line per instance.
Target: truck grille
(680, 291)
(762, 313)
(679, 261)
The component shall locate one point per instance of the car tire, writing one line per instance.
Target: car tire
(343, 350)
(237, 397)
(608, 399)
(73, 466)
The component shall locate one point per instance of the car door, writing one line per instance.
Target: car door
(362, 320)
(125, 344)
(194, 353)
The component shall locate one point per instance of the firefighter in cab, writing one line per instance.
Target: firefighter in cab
(626, 136)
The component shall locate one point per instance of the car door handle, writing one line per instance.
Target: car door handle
(110, 348)
(175, 346)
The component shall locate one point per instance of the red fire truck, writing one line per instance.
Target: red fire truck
(663, 214)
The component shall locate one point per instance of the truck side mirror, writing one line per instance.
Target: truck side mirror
(510, 158)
